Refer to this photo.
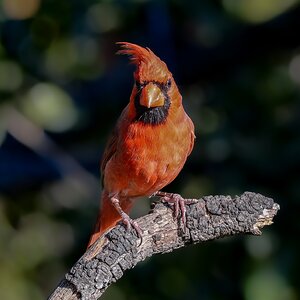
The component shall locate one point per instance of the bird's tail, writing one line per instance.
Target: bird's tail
(108, 216)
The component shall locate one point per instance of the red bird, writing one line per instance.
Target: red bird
(150, 144)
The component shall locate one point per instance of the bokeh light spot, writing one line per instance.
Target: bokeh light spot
(20, 9)
(260, 247)
(60, 65)
(81, 59)
(11, 76)
(267, 284)
(257, 11)
(51, 107)
(103, 17)
(294, 69)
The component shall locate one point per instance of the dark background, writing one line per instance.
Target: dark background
(237, 64)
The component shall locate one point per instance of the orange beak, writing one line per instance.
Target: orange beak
(152, 96)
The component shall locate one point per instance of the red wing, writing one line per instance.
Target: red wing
(112, 143)
(110, 150)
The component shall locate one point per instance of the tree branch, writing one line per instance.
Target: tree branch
(212, 217)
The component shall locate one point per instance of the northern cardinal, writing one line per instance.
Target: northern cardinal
(149, 145)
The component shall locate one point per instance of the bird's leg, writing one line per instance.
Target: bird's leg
(178, 203)
(125, 218)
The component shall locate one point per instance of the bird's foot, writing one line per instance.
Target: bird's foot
(128, 222)
(178, 203)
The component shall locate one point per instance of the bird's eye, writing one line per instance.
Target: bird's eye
(169, 83)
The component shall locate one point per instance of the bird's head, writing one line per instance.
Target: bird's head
(155, 90)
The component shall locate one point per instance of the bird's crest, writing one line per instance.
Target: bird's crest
(148, 64)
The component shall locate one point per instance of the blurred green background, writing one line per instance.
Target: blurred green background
(237, 64)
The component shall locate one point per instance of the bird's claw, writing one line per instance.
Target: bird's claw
(179, 204)
(129, 223)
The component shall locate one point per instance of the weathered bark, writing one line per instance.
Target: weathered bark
(211, 217)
